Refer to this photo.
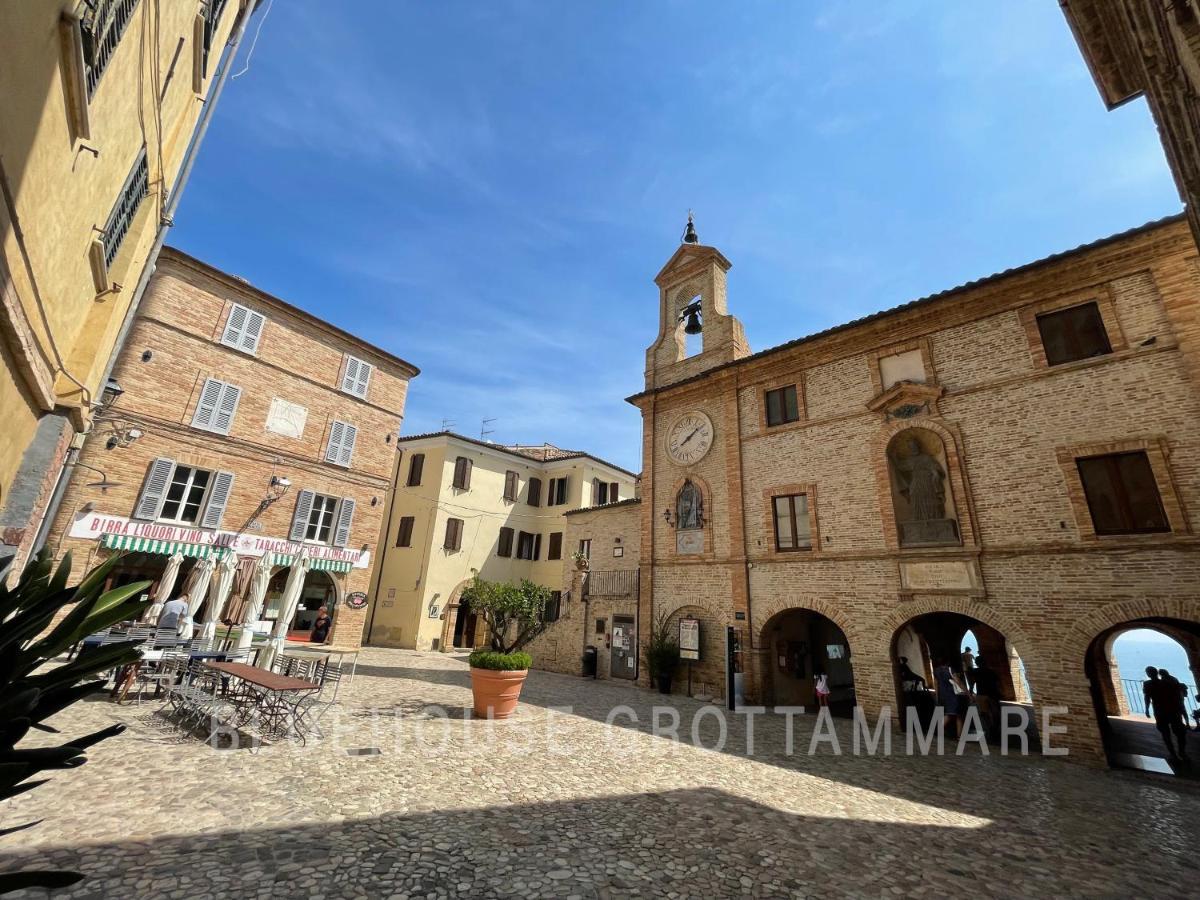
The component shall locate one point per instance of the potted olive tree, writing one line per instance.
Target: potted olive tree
(662, 655)
(515, 615)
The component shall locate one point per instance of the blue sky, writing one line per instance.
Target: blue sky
(487, 189)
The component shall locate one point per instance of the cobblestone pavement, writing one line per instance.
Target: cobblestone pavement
(557, 804)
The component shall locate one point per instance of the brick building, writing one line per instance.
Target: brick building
(244, 423)
(1018, 457)
(463, 507)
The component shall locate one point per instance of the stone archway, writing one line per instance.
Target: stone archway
(801, 646)
(459, 625)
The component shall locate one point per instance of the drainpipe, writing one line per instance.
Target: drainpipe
(167, 220)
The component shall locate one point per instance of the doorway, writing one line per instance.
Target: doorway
(464, 627)
(623, 653)
(805, 650)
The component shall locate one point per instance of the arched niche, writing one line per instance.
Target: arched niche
(922, 497)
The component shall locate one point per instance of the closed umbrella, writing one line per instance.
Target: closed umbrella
(166, 585)
(195, 589)
(287, 607)
(256, 592)
(218, 593)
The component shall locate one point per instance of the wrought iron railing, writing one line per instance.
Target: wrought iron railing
(612, 583)
(1137, 699)
(137, 185)
(102, 23)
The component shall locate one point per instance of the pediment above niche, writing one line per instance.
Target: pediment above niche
(907, 400)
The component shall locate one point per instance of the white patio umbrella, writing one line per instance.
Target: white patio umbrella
(287, 607)
(166, 585)
(254, 601)
(195, 588)
(218, 594)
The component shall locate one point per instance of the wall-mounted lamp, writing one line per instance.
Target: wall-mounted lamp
(277, 488)
(667, 517)
(111, 393)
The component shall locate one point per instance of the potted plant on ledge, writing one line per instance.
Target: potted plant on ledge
(514, 614)
(662, 655)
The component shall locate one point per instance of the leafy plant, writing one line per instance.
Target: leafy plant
(514, 612)
(31, 692)
(662, 651)
(580, 559)
(500, 662)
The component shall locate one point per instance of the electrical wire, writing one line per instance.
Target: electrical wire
(254, 41)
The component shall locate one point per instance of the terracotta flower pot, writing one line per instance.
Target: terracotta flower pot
(496, 693)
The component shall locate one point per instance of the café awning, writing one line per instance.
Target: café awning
(321, 565)
(162, 548)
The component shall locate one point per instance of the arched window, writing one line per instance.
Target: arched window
(689, 508)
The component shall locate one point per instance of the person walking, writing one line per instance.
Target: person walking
(1163, 702)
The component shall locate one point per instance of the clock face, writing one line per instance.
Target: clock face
(690, 438)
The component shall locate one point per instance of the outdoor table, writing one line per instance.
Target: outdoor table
(307, 650)
(274, 698)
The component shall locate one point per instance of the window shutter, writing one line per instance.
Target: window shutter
(337, 440)
(341, 535)
(364, 378)
(206, 406)
(150, 502)
(537, 546)
(226, 409)
(466, 474)
(404, 536)
(612, 492)
(350, 376)
(217, 498)
(252, 334)
(304, 502)
(453, 539)
(415, 466)
(597, 494)
(555, 551)
(506, 542)
(348, 438)
(535, 491)
(235, 326)
(462, 473)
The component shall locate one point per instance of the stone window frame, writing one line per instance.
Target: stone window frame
(956, 483)
(809, 489)
(1101, 296)
(921, 343)
(707, 530)
(796, 381)
(1157, 452)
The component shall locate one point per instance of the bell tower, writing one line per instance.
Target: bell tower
(691, 288)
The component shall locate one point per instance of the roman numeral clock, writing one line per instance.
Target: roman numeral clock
(690, 438)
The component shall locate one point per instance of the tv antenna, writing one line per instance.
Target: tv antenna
(484, 431)
(447, 424)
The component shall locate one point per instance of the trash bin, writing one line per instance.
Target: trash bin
(590, 656)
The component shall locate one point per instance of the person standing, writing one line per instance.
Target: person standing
(1163, 702)
(320, 629)
(987, 689)
(968, 664)
(1175, 705)
(173, 613)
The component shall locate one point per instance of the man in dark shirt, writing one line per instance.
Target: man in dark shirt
(1164, 700)
(320, 629)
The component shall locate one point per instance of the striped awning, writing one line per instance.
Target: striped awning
(319, 565)
(163, 548)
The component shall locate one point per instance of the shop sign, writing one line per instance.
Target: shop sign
(689, 638)
(94, 525)
(357, 600)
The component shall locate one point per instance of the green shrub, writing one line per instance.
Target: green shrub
(515, 613)
(500, 662)
(662, 651)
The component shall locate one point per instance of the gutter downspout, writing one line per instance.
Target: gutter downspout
(165, 223)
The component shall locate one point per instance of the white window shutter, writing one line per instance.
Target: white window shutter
(253, 332)
(206, 406)
(235, 326)
(150, 502)
(304, 502)
(223, 419)
(341, 535)
(218, 497)
(349, 437)
(364, 378)
(337, 435)
(350, 377)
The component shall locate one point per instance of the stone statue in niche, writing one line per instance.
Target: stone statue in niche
(921, 480)
(689, 508)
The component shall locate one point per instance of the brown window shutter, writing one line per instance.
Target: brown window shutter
(537, 546)
(535, 491)
(506, 542)
(612, 492)
(453, 534)
(416, 466)
(404, 536)
(555, 550)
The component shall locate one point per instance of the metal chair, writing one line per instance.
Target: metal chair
(311, 707)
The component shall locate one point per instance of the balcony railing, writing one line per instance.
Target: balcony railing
(613, 583)
(1137, 699)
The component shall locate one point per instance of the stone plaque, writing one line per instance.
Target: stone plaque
(286, 419)
(943, 575)
(689, 543)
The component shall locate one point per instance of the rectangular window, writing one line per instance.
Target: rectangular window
(243, 329)
(505, 546)
(791, 522)
(102, 25)
(185, 495)
(462, 474)
(782, 406)
(599, 492)
(320, 519)
(554, 551)
(512, 484)
(556, 495)
(356, 376)
(212, 18)
(416, 466)
(404, 534)
(525, 544)
(535, 491)
(553, 607)
(612, 492)
(454, 528)
(585, 547)
(1074, 333)
(1122, 494)
(216, 407)
(340, 449)
(120, 219)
